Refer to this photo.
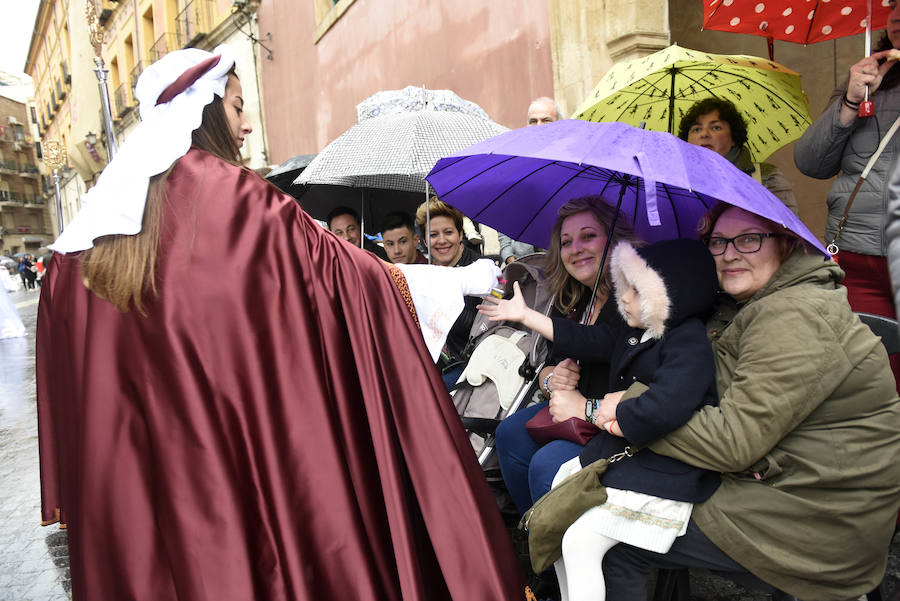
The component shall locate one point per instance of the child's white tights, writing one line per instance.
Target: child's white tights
(580, 570)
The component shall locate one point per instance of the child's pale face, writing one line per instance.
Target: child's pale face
(631, 302)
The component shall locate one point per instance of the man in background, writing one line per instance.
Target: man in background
(398, 231)
(344, 223)
(541, 110)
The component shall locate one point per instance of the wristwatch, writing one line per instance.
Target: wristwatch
(590, 410)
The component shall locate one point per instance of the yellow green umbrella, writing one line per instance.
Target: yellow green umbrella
(658, 89)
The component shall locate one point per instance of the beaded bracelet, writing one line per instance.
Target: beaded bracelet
(546, 384)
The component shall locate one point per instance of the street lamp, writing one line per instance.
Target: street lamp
(96, 36)
(91, 138)
(54, 157)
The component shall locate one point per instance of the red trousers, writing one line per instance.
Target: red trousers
(869, 290)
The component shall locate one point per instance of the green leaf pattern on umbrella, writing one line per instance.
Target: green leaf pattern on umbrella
(644, 90)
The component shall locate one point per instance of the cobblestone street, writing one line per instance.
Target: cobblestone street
(34, 561)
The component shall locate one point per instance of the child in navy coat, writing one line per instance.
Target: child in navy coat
(663, 291)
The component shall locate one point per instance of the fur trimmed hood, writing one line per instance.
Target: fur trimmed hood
(675, 279)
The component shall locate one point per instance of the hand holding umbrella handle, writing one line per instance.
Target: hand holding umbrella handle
(866, 107)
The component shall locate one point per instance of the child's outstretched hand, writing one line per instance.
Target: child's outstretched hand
(498, 309)
(516, 310)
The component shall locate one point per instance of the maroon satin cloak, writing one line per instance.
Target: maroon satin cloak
(273, 429)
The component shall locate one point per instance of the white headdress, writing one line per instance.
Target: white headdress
(173, 93)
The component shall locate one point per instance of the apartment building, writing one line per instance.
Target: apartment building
(61, 62)
(66, 101)
(140, 32)
(24, 220)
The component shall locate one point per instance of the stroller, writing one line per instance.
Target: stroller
(503, 362)
(501, 377)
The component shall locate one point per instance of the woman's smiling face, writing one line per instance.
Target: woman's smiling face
(582, 240)
(446, 241)
(742, 275)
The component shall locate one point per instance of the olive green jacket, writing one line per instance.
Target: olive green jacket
(807, 435)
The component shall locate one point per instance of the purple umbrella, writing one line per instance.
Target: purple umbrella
(516, 182)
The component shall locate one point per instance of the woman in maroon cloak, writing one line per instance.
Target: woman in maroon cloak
(235, 404)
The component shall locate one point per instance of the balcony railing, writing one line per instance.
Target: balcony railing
(163, 45)
(124, 100)
(29, 171)
(135, 73)
(193, 22)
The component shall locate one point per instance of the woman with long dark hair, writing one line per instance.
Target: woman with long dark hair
(235, 403)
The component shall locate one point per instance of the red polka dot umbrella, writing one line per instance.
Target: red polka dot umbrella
(800, 21)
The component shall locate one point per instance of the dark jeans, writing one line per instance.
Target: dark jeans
(626, 568)
(528, 469)
(452, 375)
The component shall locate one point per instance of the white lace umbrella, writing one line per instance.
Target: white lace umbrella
(400, 136)
(397, 148)
(413, 98)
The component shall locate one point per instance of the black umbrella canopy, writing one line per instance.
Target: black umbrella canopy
(372, 204)
(284, 175)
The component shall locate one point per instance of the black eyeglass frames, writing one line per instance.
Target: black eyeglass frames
(744, 244)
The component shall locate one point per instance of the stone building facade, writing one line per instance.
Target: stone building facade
(330, 55)
(24, 221)
(140, 32)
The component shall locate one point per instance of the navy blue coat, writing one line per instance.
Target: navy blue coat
(679, 370)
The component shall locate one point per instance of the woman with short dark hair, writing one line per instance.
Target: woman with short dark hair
(717, 124)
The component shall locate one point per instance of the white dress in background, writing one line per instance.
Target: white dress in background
(8, 282)
(11, 325)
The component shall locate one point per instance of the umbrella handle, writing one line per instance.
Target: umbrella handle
(866, 107)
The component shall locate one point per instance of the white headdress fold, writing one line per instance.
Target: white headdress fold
(116, 204)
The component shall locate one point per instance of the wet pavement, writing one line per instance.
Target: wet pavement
(34, 562)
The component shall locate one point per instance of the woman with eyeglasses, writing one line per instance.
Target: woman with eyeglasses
(805, 432)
